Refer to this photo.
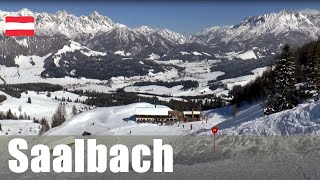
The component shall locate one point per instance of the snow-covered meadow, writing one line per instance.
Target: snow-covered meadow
(41, 106)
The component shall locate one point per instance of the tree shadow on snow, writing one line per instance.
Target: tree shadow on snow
(132, 118)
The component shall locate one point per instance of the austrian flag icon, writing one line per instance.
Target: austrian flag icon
(19, 26)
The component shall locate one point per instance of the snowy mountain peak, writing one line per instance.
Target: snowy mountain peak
(25, 12)
(310, 11)
(144, 30)
(80, 27)
(95, 14)
(63, 13)
(304, 23)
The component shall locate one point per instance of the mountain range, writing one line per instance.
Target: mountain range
(256, 37)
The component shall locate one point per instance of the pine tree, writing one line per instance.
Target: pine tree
(59, 116)
(74, 110)
(284, 83)
(312, 73)
(9, 114)
(44, 126)
(316, 70)
(29, 100)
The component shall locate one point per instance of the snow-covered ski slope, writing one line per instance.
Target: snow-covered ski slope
(249, 120)
(120, 120)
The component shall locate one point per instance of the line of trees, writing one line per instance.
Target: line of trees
(121, 97)
(294, 77)
(188, 84)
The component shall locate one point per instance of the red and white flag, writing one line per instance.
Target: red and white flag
(19, 26)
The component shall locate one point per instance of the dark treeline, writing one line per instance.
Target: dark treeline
(236, 68)
(15, 90)
(295, 76)
(121, 97)
(186, 84)
(100, 67)
(2, 98)
(213, 85)
(255, 90)
(34, 86)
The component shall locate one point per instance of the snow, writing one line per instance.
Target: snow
(23, 42)
(243, 80)
(153, 56)
(191, 112)
(113, 121)
(122, 53)
(19, 127)
(301, 120)
(184, 53)
(119, 120)
(26, 71)
(73, 46)
(241, 55)
(76, 46)
(195, 71)
(196, 53)
(247, 55)
(252, 28)
(155, 111)
(206, 53)
(41, 106)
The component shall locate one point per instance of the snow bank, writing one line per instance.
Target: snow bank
(301, 120)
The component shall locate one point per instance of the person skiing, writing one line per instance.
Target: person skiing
(191, 126)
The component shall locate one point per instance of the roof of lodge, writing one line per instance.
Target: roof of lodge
(152, 111)
(190, 112)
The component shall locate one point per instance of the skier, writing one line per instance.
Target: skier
(130, 132)
(182, 125)
(191, 126)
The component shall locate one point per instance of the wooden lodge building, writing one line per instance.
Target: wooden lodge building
(164, 115)
(154, 115)
(192, 115)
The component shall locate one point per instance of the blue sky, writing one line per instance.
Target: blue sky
(183, 17)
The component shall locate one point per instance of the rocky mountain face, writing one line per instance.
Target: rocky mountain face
(101, 40)
(265, 32)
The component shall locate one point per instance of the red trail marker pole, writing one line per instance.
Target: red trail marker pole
(214, 131)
